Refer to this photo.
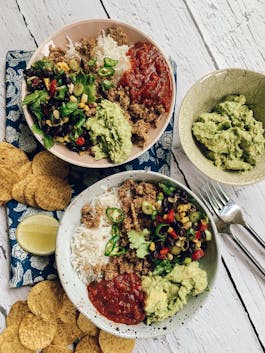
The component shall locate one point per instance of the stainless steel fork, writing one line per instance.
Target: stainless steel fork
(227, 210)
(206, 195)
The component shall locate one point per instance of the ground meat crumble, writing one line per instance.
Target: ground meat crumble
(131, 195)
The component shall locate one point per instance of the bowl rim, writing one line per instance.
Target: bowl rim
(184, 147)
(154, 333)
(30, 121)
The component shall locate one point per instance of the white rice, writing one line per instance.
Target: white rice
(71, 48)
(107, 47)
(88, 244)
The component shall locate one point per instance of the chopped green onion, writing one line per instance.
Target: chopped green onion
(167, 189)
(107, 84)
(48, 141)
(147, 208)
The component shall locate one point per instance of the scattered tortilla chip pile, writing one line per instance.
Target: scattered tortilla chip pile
(49, 322)
(38, 183)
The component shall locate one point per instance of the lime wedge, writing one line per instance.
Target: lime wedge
(37, 234)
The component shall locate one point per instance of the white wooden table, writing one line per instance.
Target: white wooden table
(201, 36)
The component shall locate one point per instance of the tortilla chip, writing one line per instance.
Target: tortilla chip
(67, 312)
(29, 191)
(12, 344)
(110, 343)
(11, 157)
(7, 179)
(88, 344)
(87, 326)
(35, 333)
(52, 193)
(56, 349)
(24, 170)
(17, 312)
(45, 163)
(19, 189)
(43, 300)
(66, 333)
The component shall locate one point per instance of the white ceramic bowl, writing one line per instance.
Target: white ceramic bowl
(76, 289)
(202, 97)
(92, 28)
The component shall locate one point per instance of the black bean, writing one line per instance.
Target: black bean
(196, 226)
(184, 194)
(177, 192)
(65, 79)
(46, 129)
(170, 241)
(192, 208)
(29, 72)
(165, 202)
(182, 232)
(48, 74)
(203, 236)
(192, 245)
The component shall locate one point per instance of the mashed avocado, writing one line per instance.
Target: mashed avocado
(230, 135)
(167, 295)
(110, 133)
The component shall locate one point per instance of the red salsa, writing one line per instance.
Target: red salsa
(148, 79)
(120, 300)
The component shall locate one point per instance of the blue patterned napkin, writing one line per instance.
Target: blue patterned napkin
(25, 268)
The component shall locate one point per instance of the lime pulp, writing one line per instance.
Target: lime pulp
(37, 234)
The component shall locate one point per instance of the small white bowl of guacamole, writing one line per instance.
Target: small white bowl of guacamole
(221, 126)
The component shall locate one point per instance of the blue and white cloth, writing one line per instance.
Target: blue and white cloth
(25, 268)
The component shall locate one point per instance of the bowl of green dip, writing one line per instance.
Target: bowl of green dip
(222, 125)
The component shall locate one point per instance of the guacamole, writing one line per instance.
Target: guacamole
(110, 132)
(230, 135)
(167, 295)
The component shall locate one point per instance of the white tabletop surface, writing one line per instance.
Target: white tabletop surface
(201, 36)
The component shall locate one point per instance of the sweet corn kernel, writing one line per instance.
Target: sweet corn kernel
(152, 246)
(73, 99)
(59, 139)
(170, 257)
(81, 105)
(198, 244)
(185, 220)
(56, 114)
(48, 122)
(66, 138)
(187, 225)
(62, 66)
(86, 108)
(84, 98)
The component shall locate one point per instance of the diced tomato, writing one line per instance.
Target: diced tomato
(197, 255)
(36, 81)
(171, 216)
(159, 219)
(202, 226)
(53, 87)
(80, 141)
(172, 233)
(198, 235)
(164, 251)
